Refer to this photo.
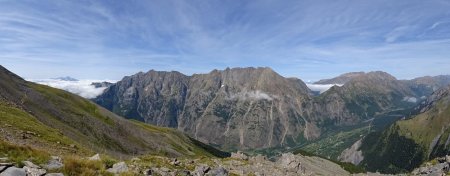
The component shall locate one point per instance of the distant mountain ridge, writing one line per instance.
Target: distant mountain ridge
(250, 108)
(341, 79)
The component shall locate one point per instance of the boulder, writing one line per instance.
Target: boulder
(201, 170)
(218, 171)
(239, 155)
(32, 171)
(175, 162)
(2, 168)
(13, 171)
(54, 163)
(290, 162)
(30, 164)
(118, 168)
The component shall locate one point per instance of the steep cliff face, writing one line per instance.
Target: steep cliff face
(248, 108)
(233, 108)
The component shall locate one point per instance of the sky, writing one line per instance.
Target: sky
(307, 39)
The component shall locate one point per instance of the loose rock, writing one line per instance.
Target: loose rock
(96, 157)
(218, 171)
(13, 171)
(239, 155)
(118, 168)
(201, 170)
(30, 164)
(32, 171)
(54, 163)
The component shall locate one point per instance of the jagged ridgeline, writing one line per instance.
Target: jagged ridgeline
(252, 108)
(408, 143)
(59, 122)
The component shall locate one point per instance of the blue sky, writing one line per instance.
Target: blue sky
(306, 39)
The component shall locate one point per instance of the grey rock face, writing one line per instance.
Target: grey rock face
(118, 168)
(13, 171)
(233, 108)
(353, 154)
(246, 108)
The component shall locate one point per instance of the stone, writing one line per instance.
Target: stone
(30, 164)
(118, 168)
(447, 158)
(175, 162)
(2, 168)
(54, 174)
(96, 157)
(289, 161)
(183, 173)
(201, 170)
(218, 171)
(148, 172)
(32, 171)
(239, 155)
(13, 171)
(162, 171)
(54, 163)
(258, 158)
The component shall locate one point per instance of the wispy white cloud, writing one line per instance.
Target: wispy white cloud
(297, 38)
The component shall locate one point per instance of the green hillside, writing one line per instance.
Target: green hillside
(59, 122)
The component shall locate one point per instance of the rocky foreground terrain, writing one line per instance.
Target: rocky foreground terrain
(237, 164)
(287, 164)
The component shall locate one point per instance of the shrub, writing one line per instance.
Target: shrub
(75, 166)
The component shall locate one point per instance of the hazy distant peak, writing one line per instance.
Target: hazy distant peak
(341, 79)
(66, 78)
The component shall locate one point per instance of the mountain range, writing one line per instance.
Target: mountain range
(256, 108)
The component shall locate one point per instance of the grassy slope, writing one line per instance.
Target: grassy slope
(68, 119)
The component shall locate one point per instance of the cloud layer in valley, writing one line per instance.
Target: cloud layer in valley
(81, 87)
(321, 87)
